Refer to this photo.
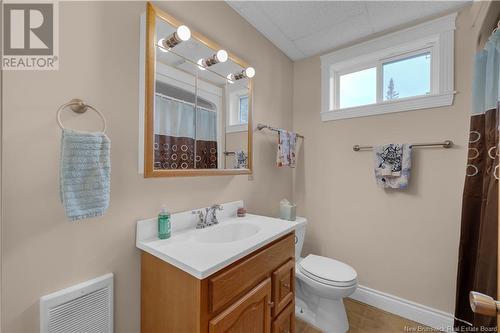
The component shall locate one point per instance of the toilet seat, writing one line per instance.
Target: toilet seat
(328, 271)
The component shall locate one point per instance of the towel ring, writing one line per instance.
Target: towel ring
(78, 106)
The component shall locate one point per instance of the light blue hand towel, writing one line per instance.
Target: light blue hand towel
(85, 171)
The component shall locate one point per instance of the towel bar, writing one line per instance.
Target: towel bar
(444, 144)
(260, 127)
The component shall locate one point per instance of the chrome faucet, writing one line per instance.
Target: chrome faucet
(209, 218)
(213, 214)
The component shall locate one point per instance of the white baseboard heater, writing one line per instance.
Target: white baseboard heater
(84, 308)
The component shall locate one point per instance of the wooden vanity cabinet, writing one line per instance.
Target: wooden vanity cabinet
(285, 322)
(283, 286)
(251, 313)
(253, 295)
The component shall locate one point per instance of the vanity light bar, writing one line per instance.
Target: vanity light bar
(220, 56)
(249, 72)
(182, 34)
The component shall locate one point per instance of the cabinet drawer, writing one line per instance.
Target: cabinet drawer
(283, 286)
(285, 322)
(226, 286)
(250, 314)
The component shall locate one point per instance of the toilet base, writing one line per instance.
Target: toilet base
(328, 315)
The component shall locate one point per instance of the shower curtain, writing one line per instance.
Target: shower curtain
(206, 139)
(177, 139)
(477, 262)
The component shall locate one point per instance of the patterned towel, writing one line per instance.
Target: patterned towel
(287, 142)
(85, 170)
(392, 165)
(240, 159)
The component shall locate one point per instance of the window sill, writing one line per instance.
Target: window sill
(237, 128)
(404, 104)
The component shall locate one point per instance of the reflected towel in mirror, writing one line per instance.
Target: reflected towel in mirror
(240, 159)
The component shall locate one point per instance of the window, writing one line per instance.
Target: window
(403, 71)
(407, 77)
(243, 110)
(358, 88)
(404, 77)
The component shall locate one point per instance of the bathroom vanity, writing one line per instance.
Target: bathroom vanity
(237, 276)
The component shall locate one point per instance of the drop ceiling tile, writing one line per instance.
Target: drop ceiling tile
(335, 36)
(253, 14)
(305, 28)
(297, 19)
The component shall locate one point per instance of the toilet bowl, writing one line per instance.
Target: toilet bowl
(321, 285)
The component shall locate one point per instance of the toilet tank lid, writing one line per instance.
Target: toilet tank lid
(328, 269)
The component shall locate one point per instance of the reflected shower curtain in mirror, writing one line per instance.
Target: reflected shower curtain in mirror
(177, 136)
(206, 139)
(477, 262)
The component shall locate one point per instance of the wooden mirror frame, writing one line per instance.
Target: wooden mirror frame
(152, 13)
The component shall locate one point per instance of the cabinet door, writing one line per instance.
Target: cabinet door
(249, 314)
(283, 286)
(285, 322)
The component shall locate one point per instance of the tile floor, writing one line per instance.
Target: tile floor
(367, 319)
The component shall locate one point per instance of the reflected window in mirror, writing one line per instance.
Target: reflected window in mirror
(237, 110)
(243, 109)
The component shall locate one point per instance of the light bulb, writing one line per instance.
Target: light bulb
(183, 33)
(230, 78)
(222, 56)
(200, 64)
(250, 72)
(161, 47)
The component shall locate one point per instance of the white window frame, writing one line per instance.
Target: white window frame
(436, 37)
(233, 95)
(239, 108)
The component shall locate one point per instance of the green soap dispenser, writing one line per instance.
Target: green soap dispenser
(164, 223)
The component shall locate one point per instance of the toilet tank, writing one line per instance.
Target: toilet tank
(300, 233)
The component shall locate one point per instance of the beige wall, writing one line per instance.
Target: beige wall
(42, 252)
(401, 242)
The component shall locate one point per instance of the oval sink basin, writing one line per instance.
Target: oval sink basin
(228, 233)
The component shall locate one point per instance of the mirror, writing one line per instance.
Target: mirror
(198, 103)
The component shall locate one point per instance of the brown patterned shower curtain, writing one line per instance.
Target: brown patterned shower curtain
(172, 152)
(478, 251)
(184, 139)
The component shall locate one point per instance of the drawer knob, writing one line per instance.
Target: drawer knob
(286, 285)
(271, 304)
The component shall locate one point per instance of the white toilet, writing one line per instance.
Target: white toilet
(320, 285)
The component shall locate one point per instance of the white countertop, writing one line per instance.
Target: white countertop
(201, 259)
